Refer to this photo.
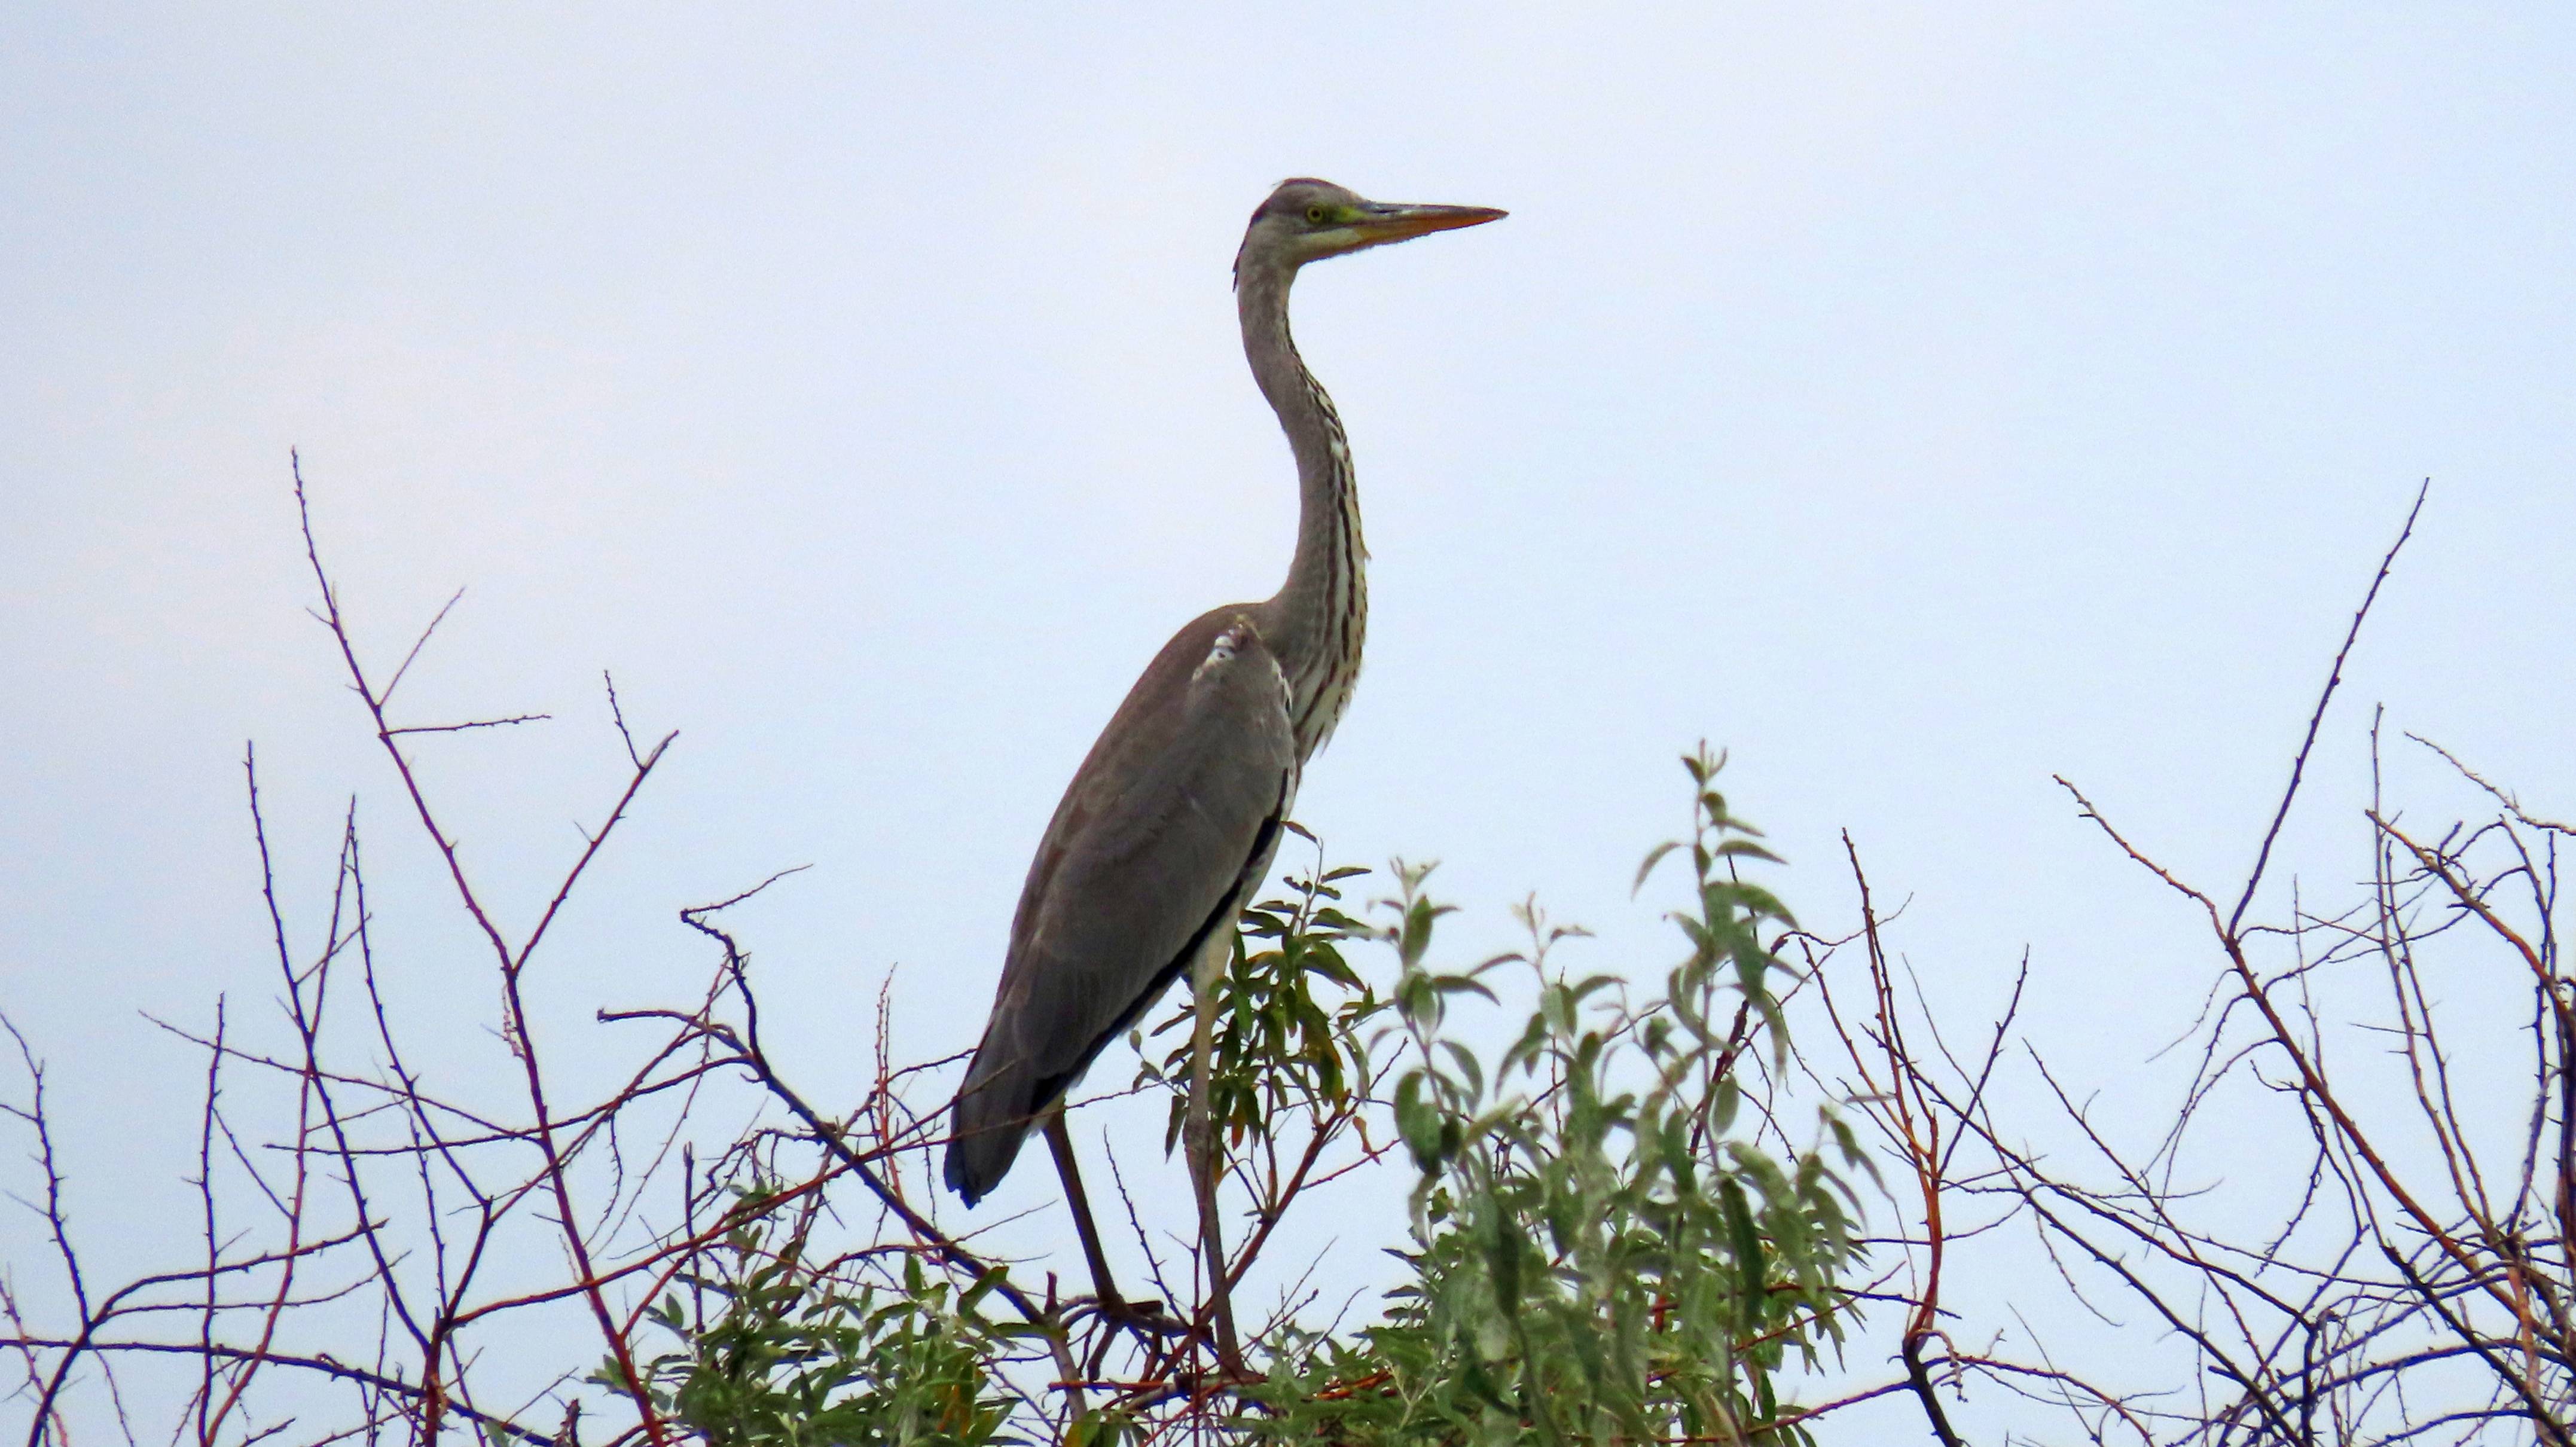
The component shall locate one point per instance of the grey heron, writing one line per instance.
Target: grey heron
(1170, 823)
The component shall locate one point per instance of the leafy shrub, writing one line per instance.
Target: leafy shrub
(797, 1354)
(1599, 1254)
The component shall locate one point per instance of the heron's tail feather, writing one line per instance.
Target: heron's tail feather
(991, 1119)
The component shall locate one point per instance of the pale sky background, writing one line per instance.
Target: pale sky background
(1915, 400)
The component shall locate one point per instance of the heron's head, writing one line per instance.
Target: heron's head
(1307, 220)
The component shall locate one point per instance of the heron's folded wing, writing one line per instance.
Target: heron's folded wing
(1164, 833)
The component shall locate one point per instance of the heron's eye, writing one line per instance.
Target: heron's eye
(1315, 215)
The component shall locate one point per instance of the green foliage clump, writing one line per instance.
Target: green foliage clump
(1599, 1254)
(797, 1353)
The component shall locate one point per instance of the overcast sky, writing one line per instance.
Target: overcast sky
(1915, 400)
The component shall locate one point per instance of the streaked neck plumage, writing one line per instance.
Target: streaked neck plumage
(1315, 623)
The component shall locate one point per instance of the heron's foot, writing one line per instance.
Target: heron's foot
(1146, 1319)
(1153, 1328)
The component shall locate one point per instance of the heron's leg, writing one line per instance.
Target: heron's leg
(1145, 1318)
(1201, 1139)
(1060, 1141)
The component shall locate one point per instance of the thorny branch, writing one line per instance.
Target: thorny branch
(2355, 1312)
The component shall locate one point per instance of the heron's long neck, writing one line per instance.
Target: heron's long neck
(1315, 623)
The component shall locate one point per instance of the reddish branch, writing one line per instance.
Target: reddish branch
(513, 964)
(325, 1365)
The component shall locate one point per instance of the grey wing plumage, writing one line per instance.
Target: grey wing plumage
(1164, 833)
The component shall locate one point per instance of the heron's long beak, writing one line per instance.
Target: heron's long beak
(1383, 223)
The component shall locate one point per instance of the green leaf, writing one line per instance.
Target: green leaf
(1654, 857)
(1503, 1258)
(1750, 1275)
